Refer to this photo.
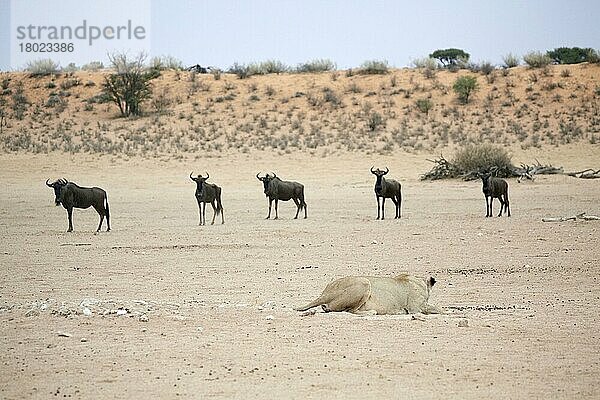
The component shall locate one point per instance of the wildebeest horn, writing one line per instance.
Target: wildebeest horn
(387, 170)
(372, 169)
(274, 176)
(207, 175)
(47, 184)
(258, 177)
(191, 177)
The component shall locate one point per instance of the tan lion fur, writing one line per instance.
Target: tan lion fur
(370, 295)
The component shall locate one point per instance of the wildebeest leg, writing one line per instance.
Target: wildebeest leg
(203, 217)
(383, 208)
(276, 206)
(212, 203)
(270, 202)
(70, 214)
(395, 207)
(507, 208)
(378, 206)
(199, 211)
(107, 218)
(501, 205)
(297, 208)
(102, 212)
(488, 206)
(399, 205)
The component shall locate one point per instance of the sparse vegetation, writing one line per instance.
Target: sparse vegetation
(92, 66)
(536, 59)
(162, 63)
(374, 67)
(511, 60)
(190, 113)
(318, 65)
(42, 67)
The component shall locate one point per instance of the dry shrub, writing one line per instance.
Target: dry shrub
(482, 157)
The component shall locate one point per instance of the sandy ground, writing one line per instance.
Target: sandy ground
(219, 299)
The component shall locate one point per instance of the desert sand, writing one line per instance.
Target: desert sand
(218, 299)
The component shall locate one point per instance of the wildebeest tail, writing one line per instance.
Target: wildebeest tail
(106, 206)
(219, 204)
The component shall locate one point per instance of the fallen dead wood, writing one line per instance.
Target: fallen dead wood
(530, 171)
(444, 169)
(582, 216)
(585, 174)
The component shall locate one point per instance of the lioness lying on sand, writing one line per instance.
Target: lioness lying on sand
(371, 295)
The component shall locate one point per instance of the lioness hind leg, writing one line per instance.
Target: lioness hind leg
(352, 297)
(365, 313)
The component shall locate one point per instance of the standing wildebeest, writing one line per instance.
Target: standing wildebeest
(387, 188)
(495, 188)
(276, 189)
(208, 193)
(72, 196)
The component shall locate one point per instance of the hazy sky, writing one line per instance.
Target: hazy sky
(350, 31)
(221, 32)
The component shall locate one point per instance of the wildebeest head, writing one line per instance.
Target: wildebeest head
(485, 179)
(200, 180)
(379, 173)
(266, 180)
(57, 186)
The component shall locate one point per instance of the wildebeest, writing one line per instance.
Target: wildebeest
(387, 188)
(208, 193)
(495, 188)
(70, 195)
(276, 189)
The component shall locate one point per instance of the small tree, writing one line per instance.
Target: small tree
(129, 86)
(450, 57)
(464, 86)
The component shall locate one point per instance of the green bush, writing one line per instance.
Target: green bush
(42, 67)
(536, 59)
(424, 105)
(465, 86)
(511, 60)
(241, 70)
(375, 121)
(267, 67)
(374, 67)
(258, 68)
(92, 66)
(318, 65)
